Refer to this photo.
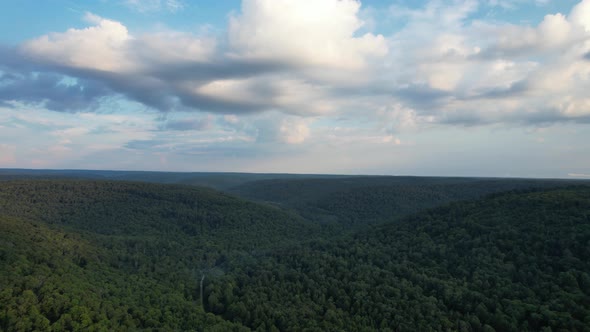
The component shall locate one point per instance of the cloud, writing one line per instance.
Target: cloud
(453, 69)
(7, 155)
(45, 138)
(52, 91)
(555, 33)
(447, 65)
(170, 70)
(513, 4)
(578, 175)
(100, 47)
(303, 33)
(145, 6)
(513, 89)
(145, 144)
(264, 93)
(580, 15)
(421, 95)
(171, 47)
(108, 47)
(294, 131)
(189, 124)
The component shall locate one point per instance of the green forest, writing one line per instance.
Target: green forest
(294, 254)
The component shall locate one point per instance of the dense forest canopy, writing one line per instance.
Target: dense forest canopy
(360, 200)
(330, 254)
(221, 181)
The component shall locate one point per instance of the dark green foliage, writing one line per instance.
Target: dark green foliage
(55, 280)
(103, 256)
(215, 180)
(116, 255)
(513, 262)
(127, 208)
(361, 200)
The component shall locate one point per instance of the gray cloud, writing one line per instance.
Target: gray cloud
(144, 144)
(422, 97)
(188, 124)
(464, 118)
(549, 116)
(541, 117)
(50, 90)
(215, 70)
(160, 86)
(202, 150)
(514, 89)
(225, 152)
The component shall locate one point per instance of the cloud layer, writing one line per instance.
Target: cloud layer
(304, 74)
(308, 58)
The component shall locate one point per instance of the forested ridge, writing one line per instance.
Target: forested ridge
(101, 255)
(215, 180)
(140, 249)
(513, 262)
(360, 200)
(133, 208)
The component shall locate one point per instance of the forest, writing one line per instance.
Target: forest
(137, 252)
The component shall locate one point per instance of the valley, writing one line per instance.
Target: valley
(287, 254)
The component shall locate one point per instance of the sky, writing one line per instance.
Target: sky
(494, 88)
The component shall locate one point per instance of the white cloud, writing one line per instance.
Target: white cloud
(69, 135)
(555, 33)
(580, 15)
(109, 46)
(303, 33)
(294, 130)
(574, 107)
(479, 72)
(51, 139)
(173, 47)
(396, 117)
(100, 47)
(231, 119)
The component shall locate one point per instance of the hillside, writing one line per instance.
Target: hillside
(122, 255)
(102, 255)
(364, 200)
(56, 280)
(511, 262)
(133, 208)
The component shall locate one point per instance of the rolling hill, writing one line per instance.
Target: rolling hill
(509, 262)
(357, 201)
(115, 255)
(99, 255)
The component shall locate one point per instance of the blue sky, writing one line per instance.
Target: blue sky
(467, 88)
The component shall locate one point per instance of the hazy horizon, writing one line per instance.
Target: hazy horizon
(577, 177)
